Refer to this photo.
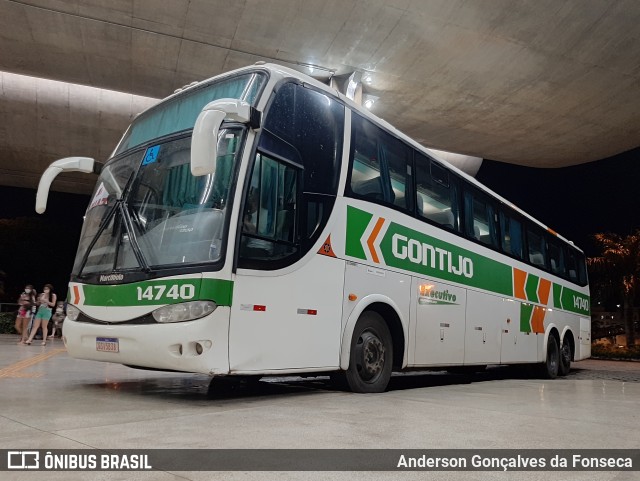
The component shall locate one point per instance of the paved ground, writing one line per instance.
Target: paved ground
(50, 401)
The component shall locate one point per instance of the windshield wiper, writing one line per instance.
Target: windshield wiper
(103, 225)
(133, 239)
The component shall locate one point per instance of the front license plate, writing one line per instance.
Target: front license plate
(107, 344)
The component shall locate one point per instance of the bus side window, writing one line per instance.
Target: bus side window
(304, 129)
(556, 257)
(582, 270)
(511, 235)
(572, 266)
(437, 193)
(313, 124)
(536, 246)
(381, 165)
(576, 267)
(295, 177)
(268, 227)
(480, 217)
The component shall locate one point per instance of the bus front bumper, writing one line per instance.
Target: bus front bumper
(199, 346)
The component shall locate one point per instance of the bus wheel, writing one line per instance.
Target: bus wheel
(565, 358)
(549, 368)
(371, 356)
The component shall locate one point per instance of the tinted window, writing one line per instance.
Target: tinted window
(313, 124)
(180, 112)
(511, 235)
(436, 193)
(480, 222)
(269, 222)
(576, 268)
(556, 257)
(294, 178)
(381, 165)
(536, 246)
(582, 270)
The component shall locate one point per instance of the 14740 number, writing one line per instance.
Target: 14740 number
(175, 291)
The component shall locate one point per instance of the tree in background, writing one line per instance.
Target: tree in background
(615, 274)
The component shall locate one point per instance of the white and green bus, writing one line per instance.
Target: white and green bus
(260, 223)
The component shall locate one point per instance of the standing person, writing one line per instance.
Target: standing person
(46, 301)
(58, 319)
(26, 301)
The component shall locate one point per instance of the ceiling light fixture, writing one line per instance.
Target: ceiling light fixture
(369, 100)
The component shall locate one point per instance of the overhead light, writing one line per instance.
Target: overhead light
(369, 100)
(311, 69)
(352, 85)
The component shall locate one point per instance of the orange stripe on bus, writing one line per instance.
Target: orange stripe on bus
(543, 291)
(372, 238)
(76, 293)
(537, 319)
(519, 279)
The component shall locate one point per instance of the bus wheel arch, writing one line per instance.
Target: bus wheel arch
(567, 352)
(371, 355)
(392, 320)
(386, 309)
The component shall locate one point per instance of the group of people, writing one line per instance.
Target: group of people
(38, 308)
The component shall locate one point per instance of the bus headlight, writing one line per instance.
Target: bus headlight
(186, 311)
(72, 312)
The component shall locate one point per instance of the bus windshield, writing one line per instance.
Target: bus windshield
(179, 113)
(148, 211)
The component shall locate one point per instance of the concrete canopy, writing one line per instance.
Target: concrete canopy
(542, 83)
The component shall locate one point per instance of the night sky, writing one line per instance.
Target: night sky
(577, 202)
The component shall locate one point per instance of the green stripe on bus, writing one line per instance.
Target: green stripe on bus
(531, 288)
(428, 256)
(413, 251)
(525, 317)
(433, 257)
(357, 222)
(557, 296)
(574, 301)
(158, 292)
(217, 290)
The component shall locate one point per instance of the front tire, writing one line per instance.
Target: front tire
(551, 366)
(371, 357)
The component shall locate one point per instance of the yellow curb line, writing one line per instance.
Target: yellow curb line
(13, 369)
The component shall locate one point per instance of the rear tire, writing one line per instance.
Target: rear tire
(565, 358)
(549, 369)
(371, 357)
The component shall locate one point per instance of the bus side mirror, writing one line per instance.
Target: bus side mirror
(68, 164)
(204, 141)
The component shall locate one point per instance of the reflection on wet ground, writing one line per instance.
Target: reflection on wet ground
(203, 388)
